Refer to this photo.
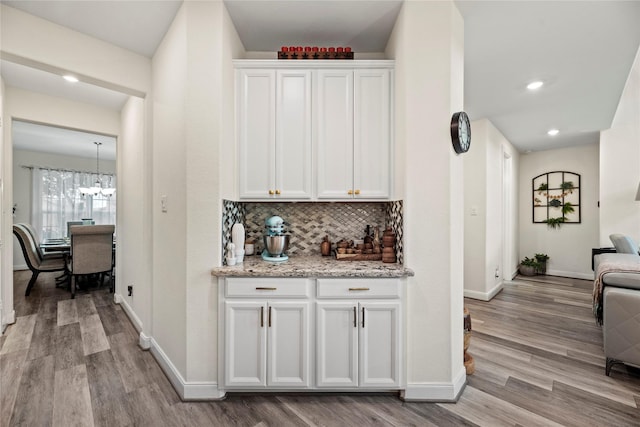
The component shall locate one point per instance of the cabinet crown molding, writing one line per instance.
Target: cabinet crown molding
(314, 64)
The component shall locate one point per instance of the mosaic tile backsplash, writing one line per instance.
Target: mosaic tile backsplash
(309, 222)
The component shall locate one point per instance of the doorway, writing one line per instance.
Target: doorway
(507, 215)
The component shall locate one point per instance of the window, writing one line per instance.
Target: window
(57, 199)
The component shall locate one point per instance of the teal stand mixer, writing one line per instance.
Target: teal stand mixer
(276, 243)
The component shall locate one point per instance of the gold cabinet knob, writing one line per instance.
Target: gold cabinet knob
(278, 192)
(271, 192)
(350, 192)
(357, 191)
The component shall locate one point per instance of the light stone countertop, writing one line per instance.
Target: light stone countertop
(311, 266)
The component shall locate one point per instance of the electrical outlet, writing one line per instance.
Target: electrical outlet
(163, 203)
(130, 290)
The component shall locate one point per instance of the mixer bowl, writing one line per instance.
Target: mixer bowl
(276, 245)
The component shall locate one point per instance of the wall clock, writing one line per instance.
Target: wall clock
(460, 132)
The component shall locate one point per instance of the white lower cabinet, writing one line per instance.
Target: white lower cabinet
(267, 344)
(358, 344)
(271, 338)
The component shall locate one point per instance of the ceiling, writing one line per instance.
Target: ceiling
(55, 140)
(582, 50)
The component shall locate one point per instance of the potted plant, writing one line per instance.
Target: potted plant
(529, 266)
(567, 187)
(542, 262)
(542, 187)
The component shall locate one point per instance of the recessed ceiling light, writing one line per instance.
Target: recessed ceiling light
(553, 132)
(535, 85)
(70, 78)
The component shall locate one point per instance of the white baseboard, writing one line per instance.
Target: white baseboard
(20, 267)
(571, 274)
(195, 390)
(144, 341)
(483, 296)
(9, 319)
(135, 320)
(436, 392)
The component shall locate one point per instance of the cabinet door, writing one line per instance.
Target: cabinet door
(334, 133)
(256, 132)
(372, 134)
(288, 344)
(337, 344)
(293, 134)
(379, 344)
(245, 344)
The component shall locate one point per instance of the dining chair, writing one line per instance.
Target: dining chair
(62, 279)
(30, 252)
(91, 252)
(34, 235)
(70, 224)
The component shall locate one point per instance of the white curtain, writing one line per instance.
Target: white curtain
(56, 199)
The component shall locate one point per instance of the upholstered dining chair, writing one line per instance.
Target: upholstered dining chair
(91, 252)
(34, 235)
(35, 263)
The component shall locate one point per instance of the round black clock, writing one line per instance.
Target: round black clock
(460, 132)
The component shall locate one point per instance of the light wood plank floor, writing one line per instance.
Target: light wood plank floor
(538, 356)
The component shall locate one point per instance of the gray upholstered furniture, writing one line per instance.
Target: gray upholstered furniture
(34, 235)
(624, 244)
(91, 252)
(621, 304)
(33, 259)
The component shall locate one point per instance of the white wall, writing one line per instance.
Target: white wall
(193, 161)
(133, 254)
(485, 219)
(170, 80)
(22, 184)
(427, 44)
(620, 165)
(569, 246)
(5, 260)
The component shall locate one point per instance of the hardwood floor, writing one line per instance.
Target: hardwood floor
(538, 357)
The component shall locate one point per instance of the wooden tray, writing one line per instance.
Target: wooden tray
(358, 257)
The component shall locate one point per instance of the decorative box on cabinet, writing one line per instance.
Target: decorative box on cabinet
(359, 333)
(274, 133)
(267, 333)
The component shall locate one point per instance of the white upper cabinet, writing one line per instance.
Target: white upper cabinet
(318, 130)
(353, 133)
(334, 133)
(274, 134)
(372, 134)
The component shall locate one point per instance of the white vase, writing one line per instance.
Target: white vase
(237, 235)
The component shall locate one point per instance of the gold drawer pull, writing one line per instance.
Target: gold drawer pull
(357, 192)
(358, 289)
(266, 289)
(271, 192)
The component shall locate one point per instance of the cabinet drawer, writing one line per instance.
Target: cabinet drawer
(359, 288)
(267, 287)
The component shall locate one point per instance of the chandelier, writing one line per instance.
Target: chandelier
(97, 186)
